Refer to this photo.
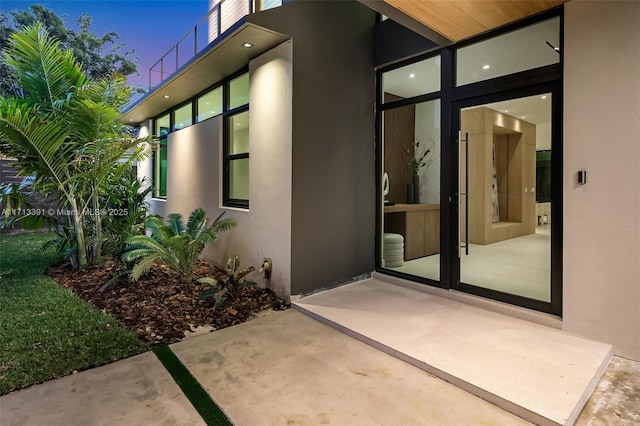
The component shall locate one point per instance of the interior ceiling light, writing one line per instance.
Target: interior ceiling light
(486, 67)
(412, 75)
(543, 97)
(247, 45)
(166, 96)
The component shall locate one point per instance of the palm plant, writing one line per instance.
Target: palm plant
(174, 244)
(128, 208)
(64, 131)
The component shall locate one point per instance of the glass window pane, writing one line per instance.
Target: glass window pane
(183, 117)
(239, 179)
(411, 80)
(162, 125)
(160, 169)
(411, 190)
(239, 91)
(210, 104)
(531, 47)
(268, 4)
(508, 233)
(239, 133)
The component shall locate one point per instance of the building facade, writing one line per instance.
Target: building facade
(304, 123)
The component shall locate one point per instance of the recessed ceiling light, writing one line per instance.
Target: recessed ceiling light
(412, 75)
(522, 116)
(506, 110)
(543, 97)
(247, 45)
(166, 96)
(486, 67)
(131, 119)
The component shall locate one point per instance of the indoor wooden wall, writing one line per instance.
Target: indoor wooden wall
(515, 163)
(399, 133)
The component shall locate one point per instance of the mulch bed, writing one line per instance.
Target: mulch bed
(158, 308)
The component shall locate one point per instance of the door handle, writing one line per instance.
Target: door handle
(464, 194)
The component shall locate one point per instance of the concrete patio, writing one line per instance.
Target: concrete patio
(281, 368)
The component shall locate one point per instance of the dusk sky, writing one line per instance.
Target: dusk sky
(149, 27)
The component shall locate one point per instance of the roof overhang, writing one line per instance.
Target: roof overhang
(220, 59)
(453, 21)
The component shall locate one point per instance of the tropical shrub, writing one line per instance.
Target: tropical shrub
(65, 133)
(127, 211)
(230, 283)
(174, 244)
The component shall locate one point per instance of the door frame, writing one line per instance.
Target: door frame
(555, 304)
(544, 79)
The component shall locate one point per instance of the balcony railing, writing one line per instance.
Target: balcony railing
(222, 16)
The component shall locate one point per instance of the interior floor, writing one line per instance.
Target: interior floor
(539, 373)
(520, 266)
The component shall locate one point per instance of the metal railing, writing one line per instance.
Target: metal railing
(220, 18)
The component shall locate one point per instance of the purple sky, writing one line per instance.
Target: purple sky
(151, 27)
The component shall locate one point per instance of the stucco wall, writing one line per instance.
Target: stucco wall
(194, 178)
(333, 202)
(602, 218)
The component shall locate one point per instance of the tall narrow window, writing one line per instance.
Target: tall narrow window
(159, 157)
(238, 159)
(236, 144)
(160, 169)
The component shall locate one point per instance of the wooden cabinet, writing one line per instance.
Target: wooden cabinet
(419, 224)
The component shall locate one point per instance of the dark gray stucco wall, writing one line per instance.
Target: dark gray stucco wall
(333, 188)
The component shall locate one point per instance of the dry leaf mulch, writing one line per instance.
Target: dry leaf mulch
(158, 308)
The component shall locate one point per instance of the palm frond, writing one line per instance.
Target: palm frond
(46, 73)
(196, 223)
(143, 266)
(175, 223)
(223, 225)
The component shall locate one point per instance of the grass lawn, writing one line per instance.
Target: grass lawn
(47, 331)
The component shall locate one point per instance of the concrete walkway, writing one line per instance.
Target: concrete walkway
(280, 369)
(541, 374)
(134, 391)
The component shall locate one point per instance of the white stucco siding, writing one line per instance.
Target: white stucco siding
(601, 276)
(194, 178)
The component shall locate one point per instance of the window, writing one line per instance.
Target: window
(238, 159)
(162, 126)
(210, 104)
(230, 99)
(236, 144)
(239, 91)
(159, 157)
(159, 174)
(183, 117)
(535, 46)
(411, 80)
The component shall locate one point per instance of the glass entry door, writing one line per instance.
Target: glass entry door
(504, 187)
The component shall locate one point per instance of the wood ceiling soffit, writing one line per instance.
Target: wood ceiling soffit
(461, 19)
